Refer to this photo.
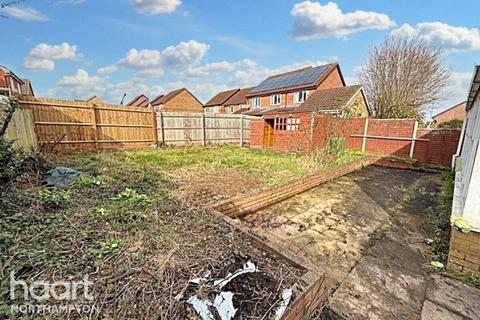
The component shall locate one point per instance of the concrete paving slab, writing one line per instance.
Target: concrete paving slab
(454, 295)
(432, 311)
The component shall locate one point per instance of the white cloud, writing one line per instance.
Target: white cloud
(23, 13)
(156, 6)
(152, 62)
(79, 85)
(442, 34)
(43, 56)
(312, 20)
(203, 81)
(107, 70)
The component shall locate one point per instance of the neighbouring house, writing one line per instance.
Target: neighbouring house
(292, 88)
(11, 84)
(280, 128)
(140, 101)
(457, 112)
(217, 103)
(464, 254)
(180, 100)
(238, 102)
(229, 101)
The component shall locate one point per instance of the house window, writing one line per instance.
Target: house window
(216, 109)
(275, 100)
(256, 102)
(300, 96)
(287, 124)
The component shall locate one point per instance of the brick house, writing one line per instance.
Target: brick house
(238, 102)
(140, 101)
(229, 101)
(180, 100)
(464, 253)
(217, 103)
(457, 112)
(11, 84)
(292, 88)
(285, 128)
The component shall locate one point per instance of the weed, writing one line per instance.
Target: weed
(440, 220)
(465, 278)
(133, 199)
(55, 199)
(86, 180)
(107, 249)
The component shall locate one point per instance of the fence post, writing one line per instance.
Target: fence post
(414, 138)
(95, 127)
(162, 134)
(365, 133)
(241, 130)
(204, 142)
(154, 126)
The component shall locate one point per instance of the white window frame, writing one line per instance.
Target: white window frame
(256, 102)
(300, 96)
(216, 109)
(273, 99)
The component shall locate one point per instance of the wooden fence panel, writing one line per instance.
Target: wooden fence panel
(21, 129)
(179, 128)
(76, 126)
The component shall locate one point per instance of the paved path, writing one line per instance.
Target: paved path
(366, 231)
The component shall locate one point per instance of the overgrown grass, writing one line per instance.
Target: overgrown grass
(271, 167)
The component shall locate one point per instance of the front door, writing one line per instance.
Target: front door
(268, 133)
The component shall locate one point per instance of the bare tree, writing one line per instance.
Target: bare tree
(403, 77)
(6, 4)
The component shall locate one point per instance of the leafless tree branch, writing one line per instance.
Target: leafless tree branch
(403, 77)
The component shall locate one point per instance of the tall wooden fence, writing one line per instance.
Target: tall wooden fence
(77, 126)
(198, 128)
(21, 129)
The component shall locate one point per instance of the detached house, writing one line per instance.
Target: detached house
(180, 100)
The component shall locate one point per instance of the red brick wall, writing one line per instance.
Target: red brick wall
(441, 146)
(437, 147)
(333, 80)
(387, 137)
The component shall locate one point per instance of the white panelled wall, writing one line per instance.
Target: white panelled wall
(466, 202)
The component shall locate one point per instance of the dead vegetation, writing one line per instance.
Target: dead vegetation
(121, 225)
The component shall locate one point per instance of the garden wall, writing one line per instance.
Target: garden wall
(399, 137)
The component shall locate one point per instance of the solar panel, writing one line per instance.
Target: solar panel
(303, 77)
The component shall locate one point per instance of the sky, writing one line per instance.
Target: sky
(74, 49)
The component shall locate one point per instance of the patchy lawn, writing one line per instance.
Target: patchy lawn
(203, 175)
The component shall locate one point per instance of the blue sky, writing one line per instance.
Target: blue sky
(77, 48)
